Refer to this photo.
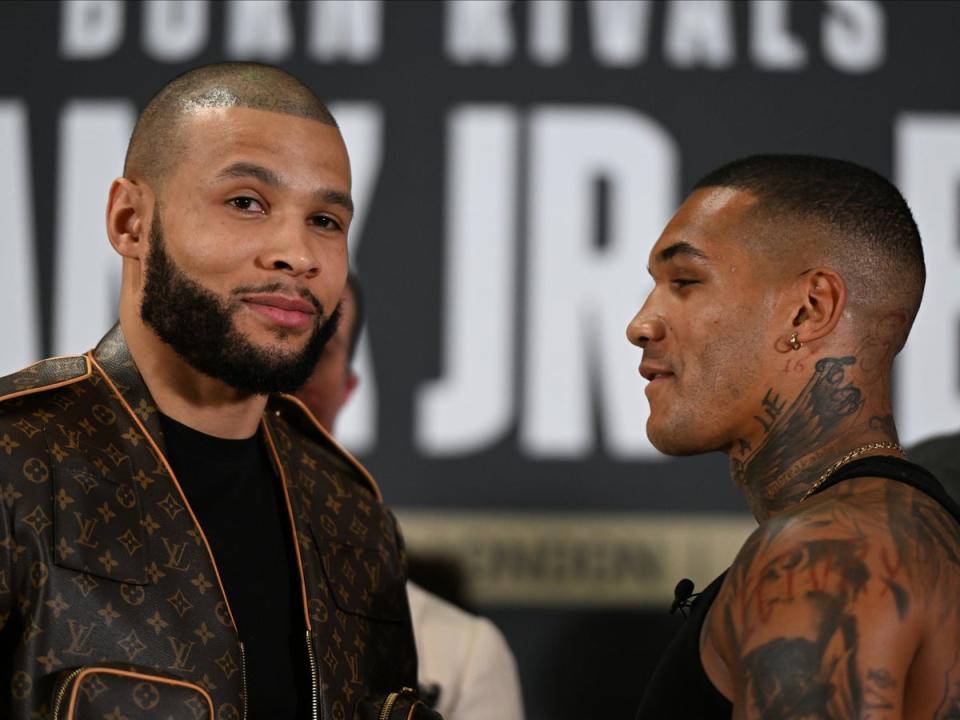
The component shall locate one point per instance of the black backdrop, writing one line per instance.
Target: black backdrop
(514, 162)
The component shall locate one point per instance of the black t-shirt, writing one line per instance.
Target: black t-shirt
(235, 492)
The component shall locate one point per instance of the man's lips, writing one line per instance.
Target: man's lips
(282, 310)
(654, 372)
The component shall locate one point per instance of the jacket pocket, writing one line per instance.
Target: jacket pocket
(95, 692)
(97, 524)
(364, 581)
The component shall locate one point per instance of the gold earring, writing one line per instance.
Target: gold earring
(794, 342)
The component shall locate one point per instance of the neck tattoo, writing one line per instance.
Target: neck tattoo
(855, 453)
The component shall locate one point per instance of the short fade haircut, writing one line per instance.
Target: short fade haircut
(873, 237)
(156, 143)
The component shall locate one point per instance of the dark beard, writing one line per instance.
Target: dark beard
(199, 327)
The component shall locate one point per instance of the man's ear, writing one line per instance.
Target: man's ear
(129, 208)
(823, 300)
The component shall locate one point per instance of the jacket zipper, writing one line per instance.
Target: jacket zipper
(243, 680)
(314, 674)
(388, 705)
(311, 656)
(61, 693)
(391, 700)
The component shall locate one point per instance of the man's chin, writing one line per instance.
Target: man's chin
(252, 364)
(672, 441)
(274, 338)
(279, 350)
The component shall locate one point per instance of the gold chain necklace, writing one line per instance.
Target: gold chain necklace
(855, 453)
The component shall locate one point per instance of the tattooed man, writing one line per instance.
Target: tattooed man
(784, 287)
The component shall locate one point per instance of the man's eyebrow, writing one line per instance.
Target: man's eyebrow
(681, 248)
(245, 169)
(336, 197)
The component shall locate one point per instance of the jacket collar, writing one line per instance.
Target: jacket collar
(114, 358)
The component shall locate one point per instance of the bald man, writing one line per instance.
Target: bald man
(783, 288)
(178, 538)
(463, 658)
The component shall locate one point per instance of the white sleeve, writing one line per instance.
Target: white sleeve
(467, 657)
(490, 686)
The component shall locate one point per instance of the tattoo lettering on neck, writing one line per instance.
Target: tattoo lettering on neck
(772, 407)
(794, 433)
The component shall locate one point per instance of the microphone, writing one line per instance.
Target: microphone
(683, 595)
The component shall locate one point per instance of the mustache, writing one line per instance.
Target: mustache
(275, 287)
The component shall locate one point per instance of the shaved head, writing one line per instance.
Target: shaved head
(820, 211)
(158, 143)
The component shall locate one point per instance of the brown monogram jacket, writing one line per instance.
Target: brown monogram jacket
(110, 601)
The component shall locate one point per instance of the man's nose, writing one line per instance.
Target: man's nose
(645, 327)
(291, 251)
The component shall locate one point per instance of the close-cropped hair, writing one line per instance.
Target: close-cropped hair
(854, 200)
(868, 222)
(156, 143)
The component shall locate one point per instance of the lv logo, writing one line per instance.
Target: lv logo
(373, 570)
(175, 555)
(79, 638)
(181, 651)
(353, 660)
(72, 437)
(337, 483)
(87, 526)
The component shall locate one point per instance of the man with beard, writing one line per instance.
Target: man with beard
(178, 538)
(783, 288)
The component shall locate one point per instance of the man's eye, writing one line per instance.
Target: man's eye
(683, 282)
(325, 222)
(247, 204)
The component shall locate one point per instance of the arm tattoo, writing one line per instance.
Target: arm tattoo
(949, 707)
(790, 609)
(799, 677)
(814, 674)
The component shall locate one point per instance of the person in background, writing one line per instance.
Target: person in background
(784, 287)
(462, 658)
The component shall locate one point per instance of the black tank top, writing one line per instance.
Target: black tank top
(679, 688)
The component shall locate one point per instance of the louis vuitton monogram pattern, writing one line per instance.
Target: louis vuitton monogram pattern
(102, 561)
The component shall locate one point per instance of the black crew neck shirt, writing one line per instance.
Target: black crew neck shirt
(236, 495)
